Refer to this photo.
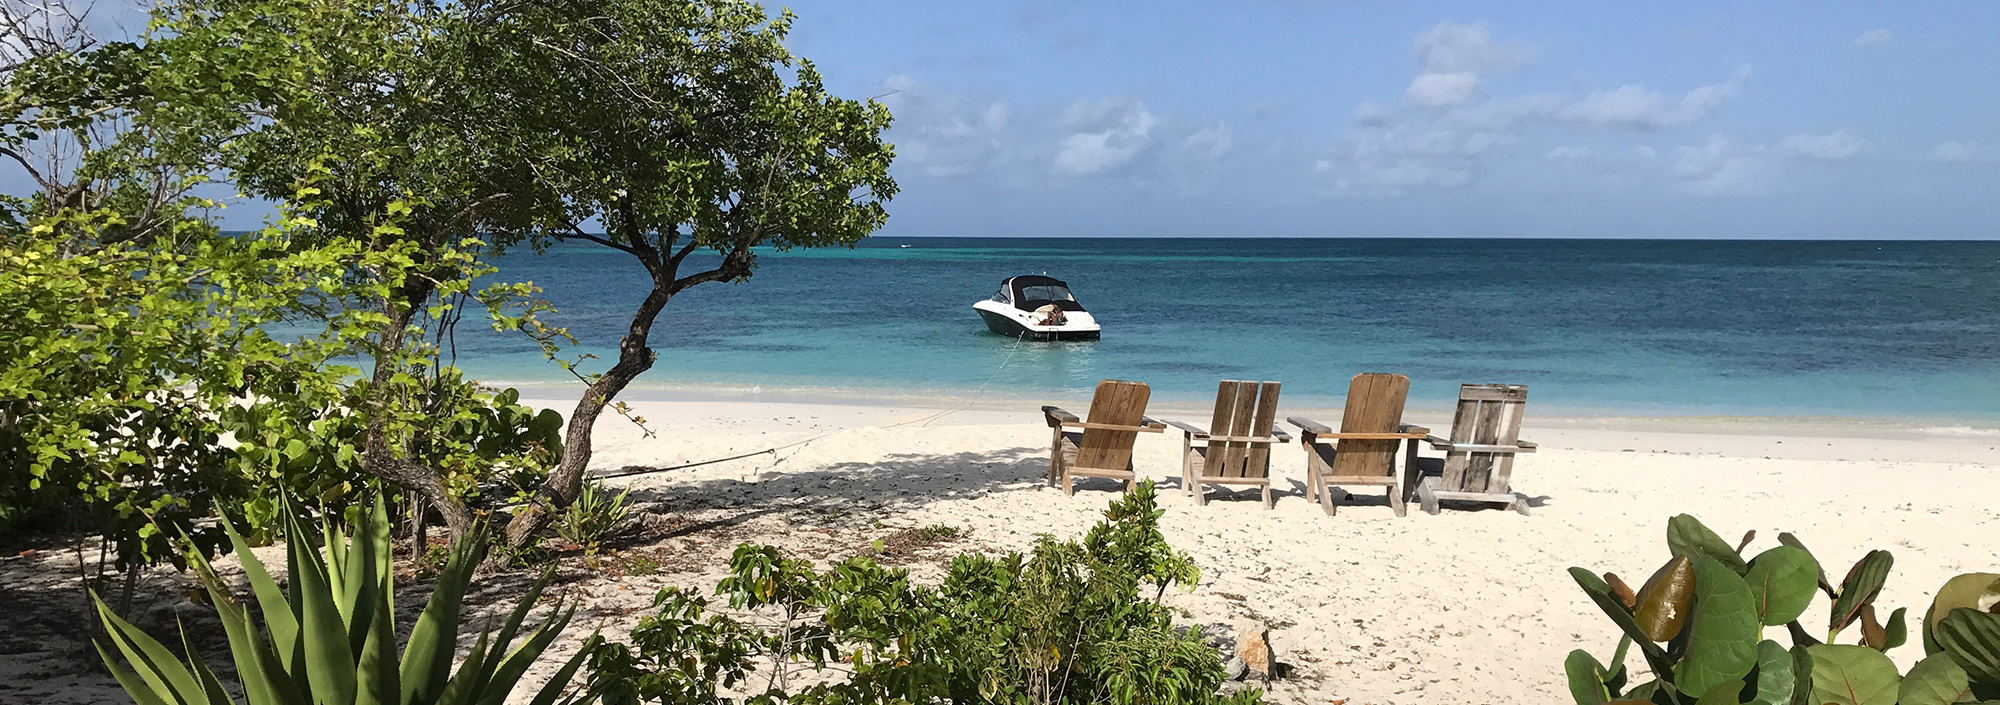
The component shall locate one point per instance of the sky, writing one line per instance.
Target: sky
(1346, 118)
(1379, 119)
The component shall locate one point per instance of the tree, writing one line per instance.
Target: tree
(688, 132)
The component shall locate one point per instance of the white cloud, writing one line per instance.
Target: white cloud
(1212, 141)
(1716, 169)
(1640, 107)
(1105, 135)
(1454, 58)
(940, 133)
(1874, 39)
(1567, 153)
(1838, 144)
(1958, 152)
(1647, 152)
(1436, 89)
(1451, 48)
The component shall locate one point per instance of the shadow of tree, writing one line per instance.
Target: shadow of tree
(897, 481)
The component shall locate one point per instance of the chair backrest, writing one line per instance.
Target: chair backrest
(1242, 409)
(1488, 414)
(1119, 403)
(1374, 405)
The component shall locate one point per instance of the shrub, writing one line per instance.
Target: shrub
(1699, 624)
(593, 516)
(332, 636)
(1070, 622)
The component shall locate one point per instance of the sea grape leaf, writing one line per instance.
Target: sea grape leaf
(1936, 680)
(1688, 538)
(1586, 679)
(1844, 674)
(1898, 630)
(1775, 680)
(1724, 693)
(1600, 593)
(1863, 582)
(1978, 591)
(1665, 600)
(1972, 639)
(1802, 672)
(1782, 580)
(1786, 538)
(1723, 630)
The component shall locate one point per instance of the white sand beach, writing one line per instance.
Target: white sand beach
(1468, 606)
(1471, 606)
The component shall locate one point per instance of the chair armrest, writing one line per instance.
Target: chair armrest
(1086, 425)
(1280, 434)
(1370, 436)
(1309, 426)
(1148, 422)
(1438, 443)
(1526, 446)
(1057, 417)
(1412, 428)
(1191, 429)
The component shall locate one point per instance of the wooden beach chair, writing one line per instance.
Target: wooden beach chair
(1364, 451)
(1238, 452)
(1103, 447)
(1479, 456)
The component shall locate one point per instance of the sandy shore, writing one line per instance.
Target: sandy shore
(1469, 606)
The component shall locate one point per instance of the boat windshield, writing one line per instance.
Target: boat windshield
(1047, 292)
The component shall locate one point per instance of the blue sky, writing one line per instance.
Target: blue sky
(1548, 119)
(1335, 118)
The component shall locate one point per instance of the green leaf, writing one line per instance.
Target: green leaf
(1897, 630)
(1782, 581)
(1688, 538)
(552, 691)
(1936, 680)
(1972, 638)
(1666, 600)
(1586, 679)
(1844, 674)
(1724, 693)
(1776, 681)
(1723, 631)
(1975, 590)
(1863, 582)
(1600, 593)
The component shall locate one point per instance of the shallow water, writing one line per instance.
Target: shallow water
(1872, 329)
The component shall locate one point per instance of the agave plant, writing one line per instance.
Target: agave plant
(330, 638)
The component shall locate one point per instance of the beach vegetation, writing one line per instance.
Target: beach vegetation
(329, 634)
(690, 134)
(596, 513)
(1070, 621)
(1699, 623)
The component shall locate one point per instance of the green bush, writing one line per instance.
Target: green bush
(332, 637)
(1699, 623)
(1070, 622)
(593, 516)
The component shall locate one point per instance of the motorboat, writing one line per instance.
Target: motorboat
(1037, 308)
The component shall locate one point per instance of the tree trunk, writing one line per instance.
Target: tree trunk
(566, 481)
(393, 464)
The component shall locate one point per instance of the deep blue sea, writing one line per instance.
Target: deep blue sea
(1861, 329)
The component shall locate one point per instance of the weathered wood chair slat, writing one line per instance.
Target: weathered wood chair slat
(1479, 456)
(1236, 447)
(1363, 452)
(1103, 447)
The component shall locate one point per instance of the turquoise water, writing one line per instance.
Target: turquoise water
(1865, 329)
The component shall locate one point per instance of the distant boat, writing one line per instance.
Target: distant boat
(904, 246)
(1037, 308)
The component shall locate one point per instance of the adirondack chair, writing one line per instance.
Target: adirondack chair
(1238, 452)
(1479, 456)
(1364, 451)
(1103, 447)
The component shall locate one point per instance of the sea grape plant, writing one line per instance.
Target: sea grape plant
(1699, 623)
(329, 636)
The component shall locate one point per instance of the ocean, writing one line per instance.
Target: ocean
(1903, 330)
